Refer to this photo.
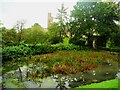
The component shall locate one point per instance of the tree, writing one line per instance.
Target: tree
(62, 19)
(105, 19)
(83, 21)
(8, 36)
(95, 17)
(34, 35)
(0, 31)
(53, 33)
(19, 29)
(115, 41)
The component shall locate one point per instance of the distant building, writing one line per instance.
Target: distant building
(50, 19)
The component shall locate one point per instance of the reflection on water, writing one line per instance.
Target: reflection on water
(104, 72)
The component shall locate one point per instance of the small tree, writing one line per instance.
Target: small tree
(62, 19)
(35, 35)
(8, 36)
(53, 33)
(19, 29)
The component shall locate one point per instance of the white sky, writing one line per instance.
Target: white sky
(32, 11)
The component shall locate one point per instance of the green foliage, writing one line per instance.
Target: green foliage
(77, 41)
(55, 40)
(66, 40)
(54, 33)
(42, 49)
(8, 36)
(94, 17)
(14, 52)
(62, 20)
(112, 49)
(34, 35)
(115, 41)
(62, 46)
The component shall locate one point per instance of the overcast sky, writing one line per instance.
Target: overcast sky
(32, 11)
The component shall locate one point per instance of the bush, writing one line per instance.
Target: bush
(76, 41)
(55, 40)
(5, 44)
(11, 43)
(42, 49)
(66, 47)
(14, 52)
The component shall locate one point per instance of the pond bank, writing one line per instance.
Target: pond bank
(105, 72)
(64, 69)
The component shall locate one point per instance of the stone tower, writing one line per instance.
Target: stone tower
(50, 18)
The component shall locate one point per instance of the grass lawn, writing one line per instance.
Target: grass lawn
(105, 84)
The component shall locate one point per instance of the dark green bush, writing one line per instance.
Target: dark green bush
(76, 41)
(14, 52)
(111, 49)
(66, 47)
(55, 40)
(42, 49)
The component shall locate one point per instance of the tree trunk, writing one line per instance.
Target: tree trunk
(20, 76)
(94, 44)
(89, 42)
(60, 36)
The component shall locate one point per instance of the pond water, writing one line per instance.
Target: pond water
(106, 71)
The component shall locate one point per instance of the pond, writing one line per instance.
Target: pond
(28, 78)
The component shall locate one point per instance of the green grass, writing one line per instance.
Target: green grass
(105, 84)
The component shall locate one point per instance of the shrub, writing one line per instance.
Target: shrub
(69, 47)
(76, 41)
(14, 52)
(117, 49)
(55, 40)
(42, 49)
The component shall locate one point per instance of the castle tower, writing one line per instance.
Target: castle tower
(50, 18)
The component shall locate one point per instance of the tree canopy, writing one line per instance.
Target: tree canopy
(34, 35)
(95, 17)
